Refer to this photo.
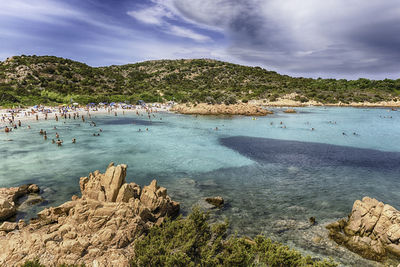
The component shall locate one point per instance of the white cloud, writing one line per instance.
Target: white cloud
(164, 15)
(187, 33)
(52, 12)
(39, 10)
(153, 15)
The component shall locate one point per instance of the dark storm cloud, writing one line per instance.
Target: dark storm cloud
(329, 38)
(312, 38)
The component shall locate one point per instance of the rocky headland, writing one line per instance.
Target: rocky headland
(97, 229)
(221, 109)
(371, 230)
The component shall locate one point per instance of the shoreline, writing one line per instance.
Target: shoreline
(252, 108)
(25, 117)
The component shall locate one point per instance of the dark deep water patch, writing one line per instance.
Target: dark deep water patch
(309, 154)
(125, 121)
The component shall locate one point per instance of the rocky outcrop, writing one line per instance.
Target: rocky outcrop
(216, 201)
(371, 230)
(222, 109)
(289, 110)
(9, 197)
(97, 229)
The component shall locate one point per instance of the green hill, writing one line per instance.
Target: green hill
(30, 80)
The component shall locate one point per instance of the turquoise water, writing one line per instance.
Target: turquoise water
(273, 178)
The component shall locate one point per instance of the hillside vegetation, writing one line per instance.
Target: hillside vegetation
(29, 80)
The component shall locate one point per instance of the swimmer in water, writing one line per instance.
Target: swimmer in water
(52, 141)
(41, 131)
(73, 140)
(57, 135)
(7, 130)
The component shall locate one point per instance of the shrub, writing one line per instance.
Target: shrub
(33, 263)
(192, 241)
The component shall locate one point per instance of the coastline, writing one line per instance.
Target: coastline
(25, 117)
(252, 108)
(287, 101)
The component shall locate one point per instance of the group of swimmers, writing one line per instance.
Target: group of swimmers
(58, 141)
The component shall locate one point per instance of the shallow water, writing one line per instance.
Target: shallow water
(273, 178)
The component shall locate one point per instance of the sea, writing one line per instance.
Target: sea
(274, 172)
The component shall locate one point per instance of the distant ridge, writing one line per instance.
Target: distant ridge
(30, 80)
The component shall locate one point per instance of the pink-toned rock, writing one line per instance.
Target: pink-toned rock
(128, 191)
(96, 230)
(8, 226)
(372, 229)
(104, 187)
(156, 199)
(222, 109)
(7, 209)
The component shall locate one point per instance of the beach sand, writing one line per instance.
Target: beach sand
(25, 117)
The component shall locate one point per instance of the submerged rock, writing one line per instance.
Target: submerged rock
(312, 221)
(9, 197)
(216, 201)
(371, 230)
(32, 199)
(97, 229)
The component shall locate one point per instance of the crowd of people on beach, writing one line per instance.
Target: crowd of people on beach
(13, 118)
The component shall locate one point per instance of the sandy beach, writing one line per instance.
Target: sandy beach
(288, 101)
(252, 108)
(12, 116)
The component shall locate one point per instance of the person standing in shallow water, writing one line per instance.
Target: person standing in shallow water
(7, 130)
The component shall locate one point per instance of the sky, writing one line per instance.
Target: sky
(310, 38)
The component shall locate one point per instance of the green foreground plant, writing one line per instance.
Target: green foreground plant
(192, 241)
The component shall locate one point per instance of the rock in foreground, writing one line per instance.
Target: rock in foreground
(372, 230)
(97, 229)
